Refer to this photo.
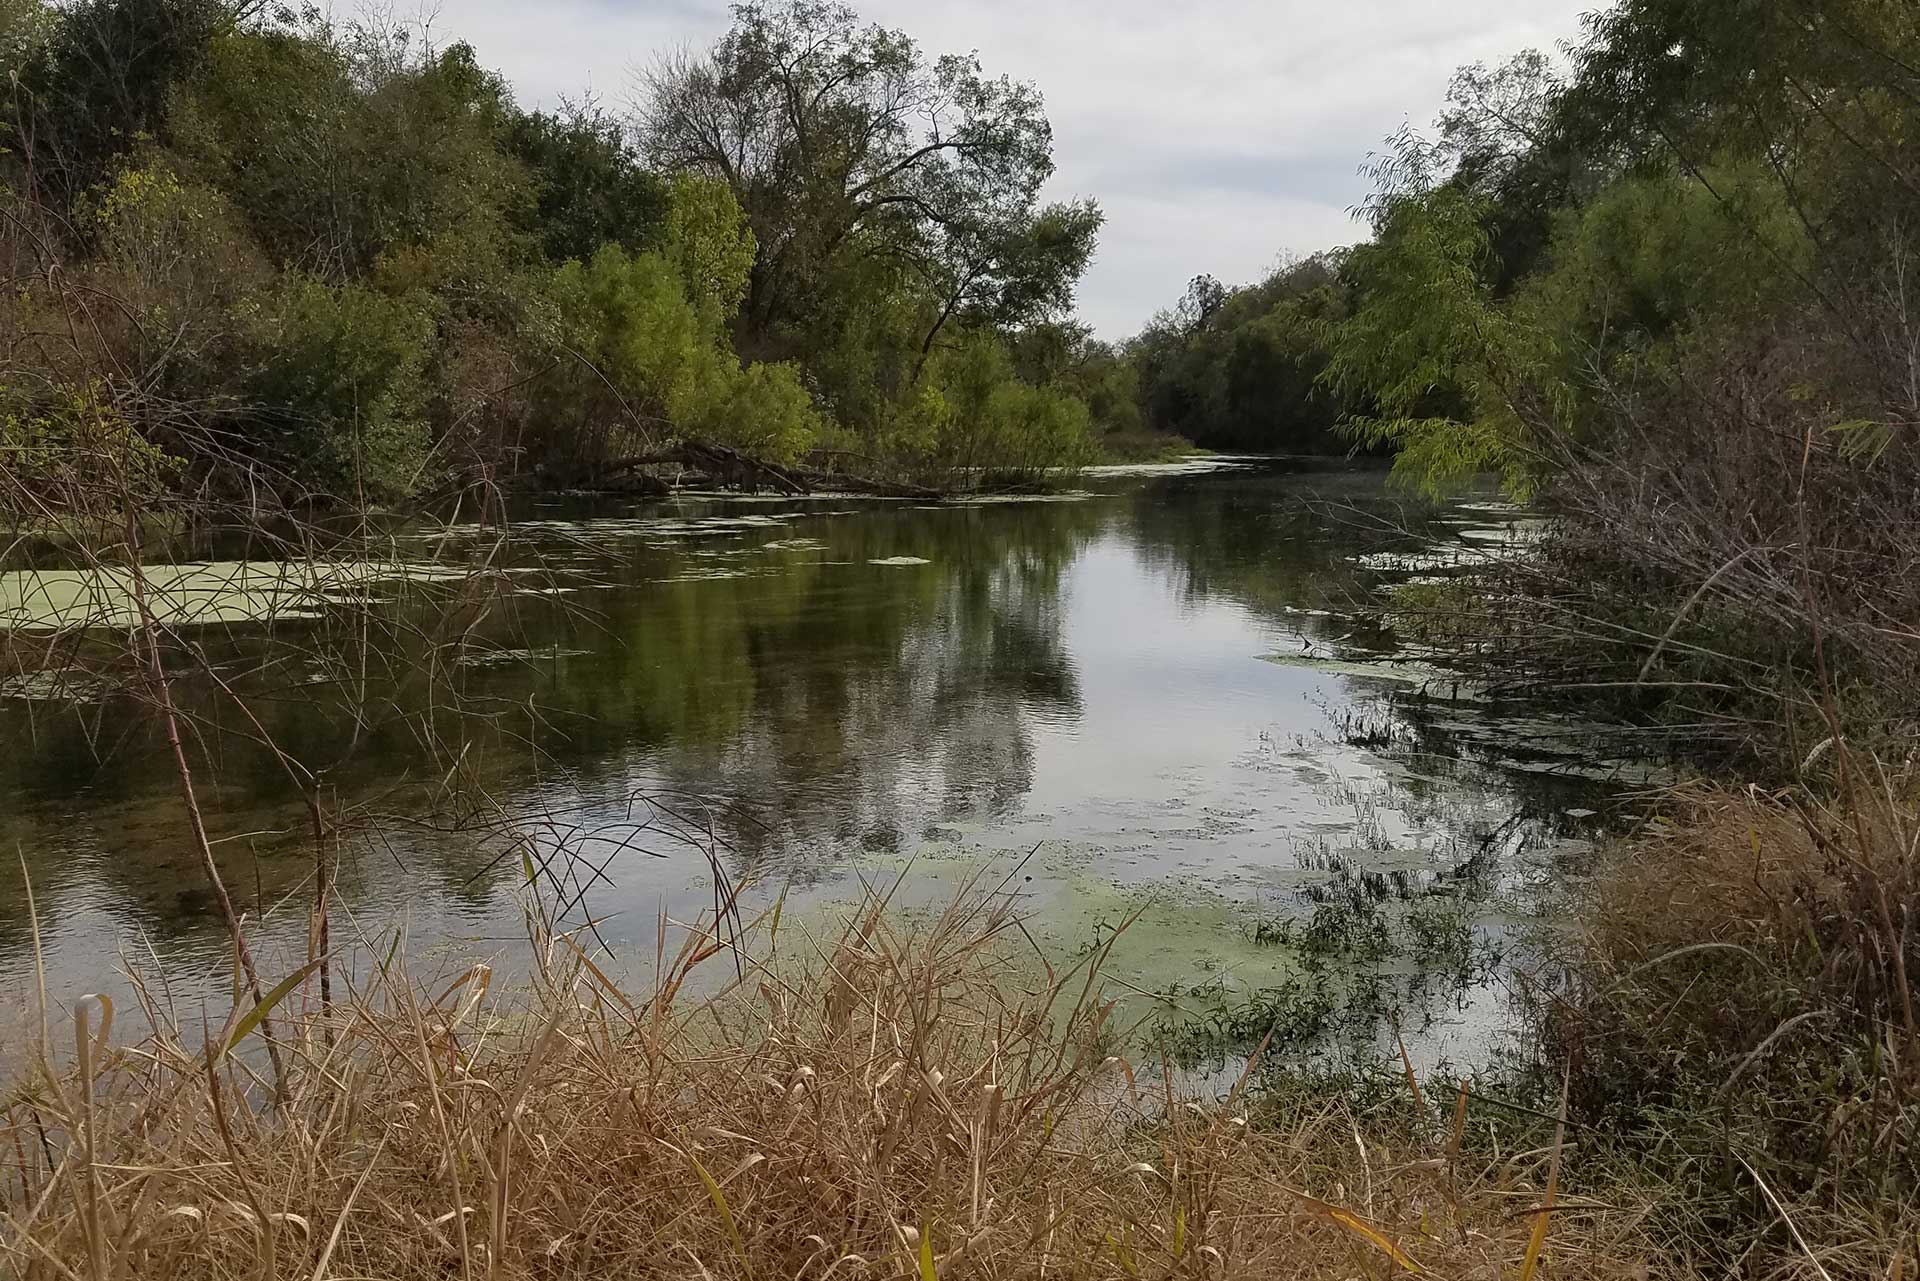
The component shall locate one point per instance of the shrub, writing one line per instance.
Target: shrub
(343, 147)
(72, 451)
(1745, 1015)
(639, 363)
(761, 410)
(181, 272)
(709, 241)
(340, 391)
(983, 417)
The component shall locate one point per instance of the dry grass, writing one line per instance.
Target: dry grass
(1745, 1025)
(911, 1098)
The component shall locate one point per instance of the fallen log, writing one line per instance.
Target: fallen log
(723, 467)
(846, 482)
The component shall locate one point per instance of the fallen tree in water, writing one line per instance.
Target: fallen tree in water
(698, 464)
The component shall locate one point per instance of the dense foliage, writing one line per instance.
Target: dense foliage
(315, 260)
(1668, 292)
(1244, 369)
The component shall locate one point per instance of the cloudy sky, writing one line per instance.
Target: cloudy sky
(1217, 134)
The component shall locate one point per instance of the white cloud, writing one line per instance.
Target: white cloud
(1216, 133)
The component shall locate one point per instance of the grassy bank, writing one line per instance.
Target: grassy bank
(1739, 1037)
(1731, 1009)
(907, 1097)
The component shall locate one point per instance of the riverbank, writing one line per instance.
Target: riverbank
(913, 1092)
(1739, 1033)
(1730, 1015)
(902, 1096)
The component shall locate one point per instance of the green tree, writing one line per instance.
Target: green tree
(184, 278)
(709, 241)
(356, 148)
(1425, 344)
(1242, 368)
(840, 139)
(591, 187)
(94, 78)
(339, 395)
(24, 27)
(1006, 268)
(640, 364)
(977, 416)
(1503, 132)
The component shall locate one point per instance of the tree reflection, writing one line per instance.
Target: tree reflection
(813, 701)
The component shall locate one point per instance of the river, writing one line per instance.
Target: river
(1164, 693)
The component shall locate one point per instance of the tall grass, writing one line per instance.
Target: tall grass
(900, 1097)
(1741, 1035)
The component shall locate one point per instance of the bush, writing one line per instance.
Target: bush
(590, 188)
(639, 364)
(90, 80)
(72, 452)
(1745, 1013)
(982, 418)
(340, 392)
(343, 148)
(181, 272)
(761, 410)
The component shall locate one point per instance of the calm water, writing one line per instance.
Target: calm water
(1160, 693)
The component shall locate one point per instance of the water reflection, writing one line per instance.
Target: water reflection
(820, 686)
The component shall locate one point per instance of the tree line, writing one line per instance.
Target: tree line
(1664, 286)
(250, 249)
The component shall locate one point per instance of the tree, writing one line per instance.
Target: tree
(591, 187)
(1495, 117)
(24, 25)
(839, 139)
(352, 148)
(1204, 297)
(1504, 133)
(1242, 368)
(340, 390)
(640, 360)
(1101, 375)
(94, 78)
(1006, 269)
(708, 239)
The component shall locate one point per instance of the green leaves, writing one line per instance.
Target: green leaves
(892, 200)
(244, 1026)
(590, 186)
(1428, 345)
(1241, 369)
(709, 241)
(341, 387)
(639, 359)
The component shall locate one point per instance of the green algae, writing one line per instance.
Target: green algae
(196, 594)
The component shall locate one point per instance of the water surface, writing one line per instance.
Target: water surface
(1165, 693)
